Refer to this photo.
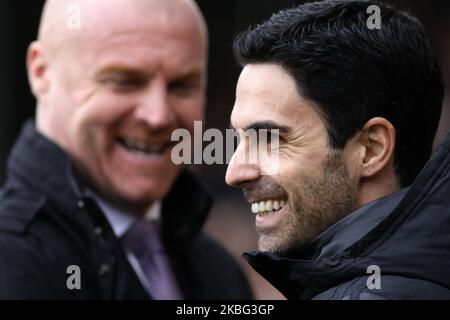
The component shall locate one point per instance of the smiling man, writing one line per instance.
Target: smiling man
(93, 207)
(357, 110)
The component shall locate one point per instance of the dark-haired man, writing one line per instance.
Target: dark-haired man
(346, 216)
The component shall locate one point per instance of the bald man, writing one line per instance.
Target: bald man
(93, 207)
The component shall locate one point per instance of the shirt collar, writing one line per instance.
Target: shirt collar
(121, 221)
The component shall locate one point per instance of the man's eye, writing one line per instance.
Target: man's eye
(124, 83)
(265, 136)
(274, 136)
(183, 88)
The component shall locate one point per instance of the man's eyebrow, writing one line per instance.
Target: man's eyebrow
(192, 75)
(118, 69)
(188, 75)
(268, 125)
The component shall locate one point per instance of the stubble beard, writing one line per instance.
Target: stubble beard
(316, 202)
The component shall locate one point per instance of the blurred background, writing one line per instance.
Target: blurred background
(231, 221)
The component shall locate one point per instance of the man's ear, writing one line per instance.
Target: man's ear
(37, 67)
(378, 145)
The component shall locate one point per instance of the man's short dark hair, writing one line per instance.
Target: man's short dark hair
(353, 73)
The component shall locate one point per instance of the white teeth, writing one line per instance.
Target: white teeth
(262, 206)
(276, 205)
(267, 206)
(141, 147)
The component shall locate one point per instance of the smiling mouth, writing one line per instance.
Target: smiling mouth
(140, 148)
(268, 206)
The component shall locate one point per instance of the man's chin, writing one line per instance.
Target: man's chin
(141, 188)
(281, 245)
(142, 196)
(269, 243)
(133, 204)
(136, 198)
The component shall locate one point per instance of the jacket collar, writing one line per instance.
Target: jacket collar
(43, 166)
(307, 271)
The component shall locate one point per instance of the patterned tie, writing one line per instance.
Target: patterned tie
(144, 242)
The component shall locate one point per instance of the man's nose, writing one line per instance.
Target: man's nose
(240, 172)
(155, 109)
